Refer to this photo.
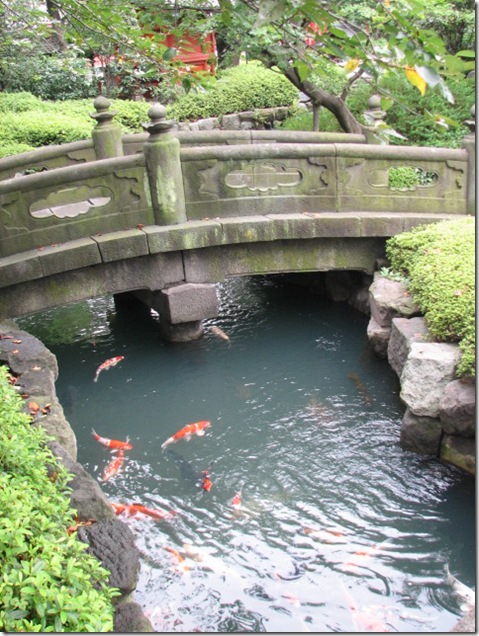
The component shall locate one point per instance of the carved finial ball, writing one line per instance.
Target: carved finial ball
(157, 111)
(101, 103)
(374, 101)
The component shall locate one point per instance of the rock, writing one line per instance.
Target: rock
(389, 299)
(467, 623)
(378, 337)
(112, 542)
(460, 452)
(129, 618)
(420, 434)
(230, 122)
(457, 408)
(87, 498)
(428, 369)
(54, 423)
(25, 354)
(404, 331)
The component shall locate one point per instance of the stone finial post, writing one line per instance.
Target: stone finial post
(163, 165)
(106, 134)
(469, 143)
(375, 118)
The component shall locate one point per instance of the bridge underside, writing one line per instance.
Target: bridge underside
(206, 265)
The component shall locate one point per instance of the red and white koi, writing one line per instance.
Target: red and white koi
(236, 501)
(108, 364)
(112, 444)
(364, 619)
(114, 466)
(180, 565)
(361, 557)
(326, 535)
(197, 428)
(206, 482)
(133, 509)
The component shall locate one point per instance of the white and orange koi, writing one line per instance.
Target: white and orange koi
(326, 535)
(219, 332)
(112, 444)
(180, 565)
(114, 466)
(236, 501)
(364, 619)
(360, 557)
(197, 428)
(108, 364)
(133, 509)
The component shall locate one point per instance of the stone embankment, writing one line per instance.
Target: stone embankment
(110, 540)
(439, 419)
(258, 119)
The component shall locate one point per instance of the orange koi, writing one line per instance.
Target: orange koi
(133, 509)
(206, 481)
(108, 364)
(360, 557)
(236, 501)
(114, 467)
(186, 432)
(113, 444)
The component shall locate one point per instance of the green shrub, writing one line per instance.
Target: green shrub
(43, 128)
(439, 260)
(49, 581)
(131, 114)
(49, 76)
(8, 148)
(19, 102)
(244, 87)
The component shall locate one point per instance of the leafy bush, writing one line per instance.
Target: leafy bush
(131, 114)
(240, 88)
(49, 76)
(43, 128)
(19, 102)
(49, 582)
(439, 260)
(8, 148)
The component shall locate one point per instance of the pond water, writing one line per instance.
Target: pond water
(338, 528)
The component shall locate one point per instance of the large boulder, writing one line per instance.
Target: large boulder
(420, 434)
(129, 618)
(378, 337)
(428, 370)
(389, 299)
(457, 409)
(113, 544)
(404, 331)
(460, 452)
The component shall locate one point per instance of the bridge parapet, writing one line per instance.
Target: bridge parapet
(171, 182)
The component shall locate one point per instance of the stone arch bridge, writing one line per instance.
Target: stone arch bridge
(166, 214)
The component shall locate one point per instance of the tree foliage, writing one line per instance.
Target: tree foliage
(305, 39)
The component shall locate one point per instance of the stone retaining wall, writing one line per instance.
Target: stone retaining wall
(439, 419)
(258, 119)
(110, 540)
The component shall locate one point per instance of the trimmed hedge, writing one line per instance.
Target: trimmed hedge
(244, 87)
(439, 261)
(49, 582)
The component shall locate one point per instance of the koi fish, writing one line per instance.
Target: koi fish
(113, 444)
(325, 536)
(360, 557)
(219, 332)
(236, 501)
(206, 482)
(187, 431)
(179, 559)
(114, 467)
(133, 509)
(104, 366)
(365, 620)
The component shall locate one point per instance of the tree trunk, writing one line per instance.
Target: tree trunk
(334, 104)
(58, 38)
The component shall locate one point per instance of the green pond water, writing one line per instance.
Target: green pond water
(339, 529)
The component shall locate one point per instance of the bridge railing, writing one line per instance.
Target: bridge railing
(167, 181)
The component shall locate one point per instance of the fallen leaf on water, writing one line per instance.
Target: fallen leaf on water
(36, 368)
(16, 341)
(15, 351)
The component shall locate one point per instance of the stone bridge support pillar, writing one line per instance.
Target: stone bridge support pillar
(182, 308)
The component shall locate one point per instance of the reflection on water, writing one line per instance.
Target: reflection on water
(334, 527)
